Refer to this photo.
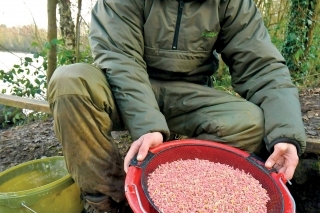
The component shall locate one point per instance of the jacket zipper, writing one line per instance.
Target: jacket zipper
(176, 31)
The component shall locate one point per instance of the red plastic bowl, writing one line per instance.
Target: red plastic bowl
(135, 183)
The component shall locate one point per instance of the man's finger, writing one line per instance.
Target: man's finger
(289, 172)
(273, 158)
(143, 150)
(131, 153)
(282, 170)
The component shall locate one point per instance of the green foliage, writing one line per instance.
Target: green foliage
(65, 56)
(222, 79)
(20, 78)
(309, 75)
(27, 80)
(277, 33)
(293, 31)
(299, 45)
(34, 116)
(9, 115)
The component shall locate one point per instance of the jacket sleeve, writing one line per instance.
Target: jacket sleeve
(259, 73)
(116, 40)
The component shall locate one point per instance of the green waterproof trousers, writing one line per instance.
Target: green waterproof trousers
(85, 113)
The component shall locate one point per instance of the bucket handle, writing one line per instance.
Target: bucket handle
(23, 204)
(134, 161)
(282, 180)
(138, 196)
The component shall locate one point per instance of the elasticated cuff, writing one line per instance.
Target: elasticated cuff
(270, 146)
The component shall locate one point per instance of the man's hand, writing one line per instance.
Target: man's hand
(284, 159)
(142, 146)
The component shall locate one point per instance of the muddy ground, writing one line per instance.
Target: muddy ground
(37, 139)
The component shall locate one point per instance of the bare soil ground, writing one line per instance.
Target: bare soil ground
(37, 139)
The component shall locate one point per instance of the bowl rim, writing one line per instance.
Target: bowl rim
(29, 197)
(136, 194)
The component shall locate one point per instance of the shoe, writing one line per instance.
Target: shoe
(104, 204)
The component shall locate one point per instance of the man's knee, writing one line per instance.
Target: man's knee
(75, 79)
(253, 131)
(255, 118)
(66, 73)
(245, 128)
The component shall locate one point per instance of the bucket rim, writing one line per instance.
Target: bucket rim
(16, 199)
(136, 195)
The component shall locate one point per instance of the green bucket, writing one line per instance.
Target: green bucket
(41, 186)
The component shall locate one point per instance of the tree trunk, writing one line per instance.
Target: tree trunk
(67, 27)
(78, 21)
(52, 34)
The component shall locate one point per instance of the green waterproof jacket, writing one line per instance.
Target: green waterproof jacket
(133, 40)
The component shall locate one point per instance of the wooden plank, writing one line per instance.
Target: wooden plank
(313, 145)
(25, 103)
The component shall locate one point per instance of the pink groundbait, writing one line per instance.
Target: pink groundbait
(203, 176)
(206, 187)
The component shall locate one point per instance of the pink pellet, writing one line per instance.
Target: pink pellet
(201, 186)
